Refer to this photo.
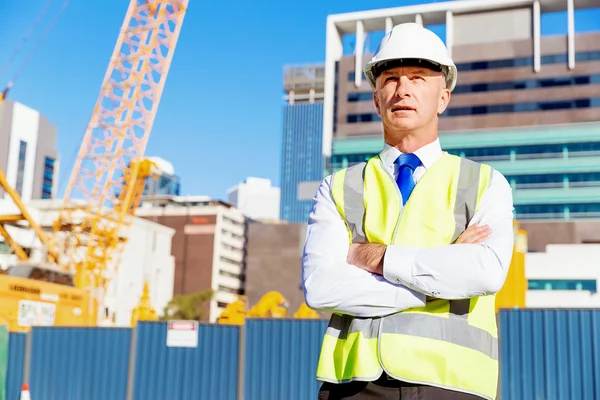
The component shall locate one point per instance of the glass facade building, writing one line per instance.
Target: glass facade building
(164, 184)
(302, 160)
(302, 157)
(554, 170)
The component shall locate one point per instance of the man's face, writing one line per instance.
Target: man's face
(409, 98)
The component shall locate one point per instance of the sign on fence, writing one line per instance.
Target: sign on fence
(182, 334)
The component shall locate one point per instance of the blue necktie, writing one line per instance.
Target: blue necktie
(407, 163)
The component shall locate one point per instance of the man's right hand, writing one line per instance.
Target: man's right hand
(474, 234)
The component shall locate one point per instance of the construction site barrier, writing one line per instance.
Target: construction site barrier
(544, 353)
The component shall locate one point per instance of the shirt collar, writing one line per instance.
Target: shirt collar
(428, 154)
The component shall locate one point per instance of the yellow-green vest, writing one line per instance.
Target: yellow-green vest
(449, 344)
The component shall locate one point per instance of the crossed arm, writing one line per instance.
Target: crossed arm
(371, 280)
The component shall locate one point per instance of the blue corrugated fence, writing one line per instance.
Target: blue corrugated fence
(550, 354)
(206, 372)
(544, 354)
(281, 358)
(79, 363)
(16, 365)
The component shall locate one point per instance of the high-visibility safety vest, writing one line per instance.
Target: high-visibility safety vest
(449, 344)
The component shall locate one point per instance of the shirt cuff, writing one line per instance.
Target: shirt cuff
(398, 264)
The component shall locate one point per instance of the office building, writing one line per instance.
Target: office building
(527, 104)
(256, 198)
(274, 261)
(301, 154)
(164, 181)
(28, 154)
(208, 246)
(551, 285)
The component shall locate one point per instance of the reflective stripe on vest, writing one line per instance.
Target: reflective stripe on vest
(451, 344)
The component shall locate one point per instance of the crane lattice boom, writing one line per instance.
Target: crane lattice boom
(102, 192)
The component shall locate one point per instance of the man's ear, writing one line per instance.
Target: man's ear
(444, 100)
(376, 101)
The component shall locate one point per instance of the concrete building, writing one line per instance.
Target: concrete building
(527, 104)
(274, 261)
(542, 233)
(146, 257)
(564, 276)
(301, 154)
(256, 198)
(28, 153)
(208, 246)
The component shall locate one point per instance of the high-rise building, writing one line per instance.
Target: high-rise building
(527, 104)
(208, 246)
(256, 198)
(28, 153)
(302, 157)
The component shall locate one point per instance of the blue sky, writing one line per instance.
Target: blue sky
(220, 116)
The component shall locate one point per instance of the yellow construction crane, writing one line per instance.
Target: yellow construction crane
(105, 185)
(108, 177)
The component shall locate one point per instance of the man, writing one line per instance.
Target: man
(411, 281)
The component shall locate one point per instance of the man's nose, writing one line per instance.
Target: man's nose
(403, 87)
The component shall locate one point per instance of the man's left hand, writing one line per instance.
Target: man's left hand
(368, 256)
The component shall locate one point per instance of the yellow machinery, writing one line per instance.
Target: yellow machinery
(512, 294)
(305, 312)
(144, 311)
(272, 305)
(108, 177)
(36, 293)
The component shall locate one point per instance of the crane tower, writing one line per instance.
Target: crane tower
(104, 188)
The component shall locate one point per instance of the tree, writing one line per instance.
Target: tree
(187, 306)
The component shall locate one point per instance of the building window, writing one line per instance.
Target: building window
(558, 150)
(21, 167)
(562, 284)
(230, 290)
(583, 56)
(230, 261)
(522, 107)
(360, 96)
(354, 118)
(558, 211)
(48, 181)
(165, 184)
(527, 84)
(352, 75)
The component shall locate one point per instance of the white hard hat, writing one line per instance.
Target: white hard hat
(411, 44)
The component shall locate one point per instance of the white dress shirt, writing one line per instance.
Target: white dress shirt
(409, 274)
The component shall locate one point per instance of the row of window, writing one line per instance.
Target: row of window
(508, 85)
(582, 56)
(534, 106)
(551, 180)
(528, 84)
(538, 149)
(48, 178)
(562, 284)
(559, 209)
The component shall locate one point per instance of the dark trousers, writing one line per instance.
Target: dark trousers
(387, 389)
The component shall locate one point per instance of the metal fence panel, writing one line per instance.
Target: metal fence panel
(16, 363)
(79, 363)
(209, 371)
(550, 354)
(281, 358)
